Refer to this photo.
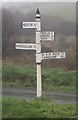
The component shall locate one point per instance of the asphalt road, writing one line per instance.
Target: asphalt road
(60, 97)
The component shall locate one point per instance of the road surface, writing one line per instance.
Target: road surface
(60, 97)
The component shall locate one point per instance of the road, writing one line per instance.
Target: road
(60, 97)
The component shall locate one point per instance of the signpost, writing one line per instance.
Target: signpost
(40, 36)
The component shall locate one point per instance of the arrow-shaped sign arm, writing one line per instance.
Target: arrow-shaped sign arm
(25, 46)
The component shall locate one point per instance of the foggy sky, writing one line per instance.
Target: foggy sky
(38, 0)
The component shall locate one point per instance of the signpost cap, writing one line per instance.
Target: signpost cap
(37, 13)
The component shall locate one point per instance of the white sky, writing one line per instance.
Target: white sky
(38, 0)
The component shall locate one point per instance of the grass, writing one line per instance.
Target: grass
(25, 76)
(36, 108)
(0, 106)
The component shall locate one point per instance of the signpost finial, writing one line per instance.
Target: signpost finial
(38, 12)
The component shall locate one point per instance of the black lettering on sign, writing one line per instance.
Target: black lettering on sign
(26, 24)
(58, 53)
(53, 53)
(62, 53)
(49, 53)
(28, 46)
(34, 24)
(31, 24)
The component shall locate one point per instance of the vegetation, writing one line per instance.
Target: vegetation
(0, 107)
(36, 108)
(25, 76)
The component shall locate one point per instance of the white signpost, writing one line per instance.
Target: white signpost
(40, 36)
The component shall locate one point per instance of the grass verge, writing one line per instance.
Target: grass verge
(25, 76)
(36, 108)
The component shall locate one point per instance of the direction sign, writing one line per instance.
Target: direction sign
(25, 46)
(47, 36)
(53, 55)
(28, 24)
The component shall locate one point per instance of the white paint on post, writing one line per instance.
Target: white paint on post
(38, 52)
(38, 25)
(38, 58)
(38, 37)
(38, 47)
(39, 84)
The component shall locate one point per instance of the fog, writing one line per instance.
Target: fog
(58, 17)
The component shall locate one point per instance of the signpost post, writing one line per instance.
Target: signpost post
(38, 53)
(40, 36)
